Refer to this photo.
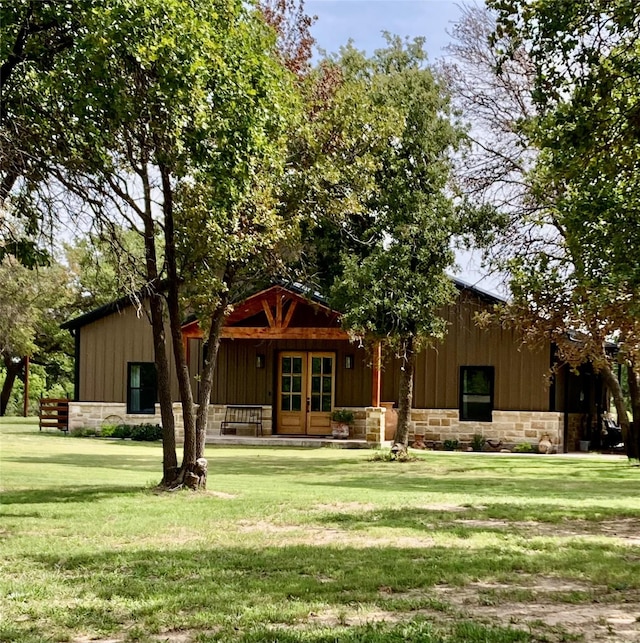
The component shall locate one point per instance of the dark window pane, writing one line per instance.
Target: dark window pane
(297, 384)
(315, 384)
(315, 365)
(326, 385)
(286, 403)
(476, 394)
(286, 384)
(296, 402)
(326, 403)
(315, 402)
(327, 365)
(142, 389)
(286, 365)
(297, 365)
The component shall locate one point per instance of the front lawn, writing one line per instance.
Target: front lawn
(314, 545)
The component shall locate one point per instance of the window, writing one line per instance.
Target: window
(476, 393)
(142, 389)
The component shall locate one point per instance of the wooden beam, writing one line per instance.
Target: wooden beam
(376, 378)
(242, 332)
(292, 309)
(279, 299)
(269, 314)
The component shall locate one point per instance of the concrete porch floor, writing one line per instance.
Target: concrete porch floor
(286, 441)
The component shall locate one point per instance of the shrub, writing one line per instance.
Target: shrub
(450, 445)
(343, 416)
(107, 430)
(477, 442)
(83, 432)
(146, 432)
(523, 447)
(121, 431)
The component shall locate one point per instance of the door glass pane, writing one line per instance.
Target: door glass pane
(286, 384)
(297, 384)
(296, 402)
(326, 385)
(315, 365)
(315, 384)
(286, 365)
(326, 403)
(297, 365)
(286, 403)
(327, 365)
(315, 402)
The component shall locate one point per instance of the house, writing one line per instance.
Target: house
(284, 351)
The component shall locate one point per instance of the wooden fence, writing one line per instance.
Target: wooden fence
(54, 413)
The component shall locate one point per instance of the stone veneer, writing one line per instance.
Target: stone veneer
(428, 425)
(510, 427)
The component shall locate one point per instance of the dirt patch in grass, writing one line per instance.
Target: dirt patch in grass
(626, 529)
(612, 618)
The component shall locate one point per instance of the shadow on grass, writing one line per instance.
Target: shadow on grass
(507, 518)
(66, 494)
(236, 589)
(101, 461)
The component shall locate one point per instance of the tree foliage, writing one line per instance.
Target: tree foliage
(586, 90)
(394, 289)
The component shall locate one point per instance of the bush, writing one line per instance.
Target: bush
(477, 442)
(146, 432)
(523, 447)
(83, 432)
(343, 416)
(121, 431)
(107, 430)
(450, 445)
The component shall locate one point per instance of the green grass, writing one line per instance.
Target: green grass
(306, 545)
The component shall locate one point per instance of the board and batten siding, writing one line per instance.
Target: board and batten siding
(520, 373)
(107, 345)
(237, 380)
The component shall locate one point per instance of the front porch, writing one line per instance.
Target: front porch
(371, 429)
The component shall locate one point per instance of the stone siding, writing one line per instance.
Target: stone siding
(432, 426)
(93, 415)
(510, 427)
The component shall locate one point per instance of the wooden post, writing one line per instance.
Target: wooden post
(25, 400)
(376, 382)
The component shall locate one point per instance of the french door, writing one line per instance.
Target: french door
(306, 389)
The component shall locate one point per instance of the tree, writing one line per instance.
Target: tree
(586, 91)
(33, 34)
(32, 305)
(183, 105)
(395, 292)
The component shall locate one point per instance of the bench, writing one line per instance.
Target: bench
(241, 415)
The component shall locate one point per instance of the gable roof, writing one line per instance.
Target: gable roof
(296, 289)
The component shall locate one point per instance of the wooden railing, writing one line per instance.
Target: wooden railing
(54, 413)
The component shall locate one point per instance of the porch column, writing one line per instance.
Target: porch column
(376, 377)
(375, 424)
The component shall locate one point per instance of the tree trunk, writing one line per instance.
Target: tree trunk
(208, 369)
(632, 440)
(189, 466)
(13, 369)
(401, 438)
(615, 389)
(169, 457)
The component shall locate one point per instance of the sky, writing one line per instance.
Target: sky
(364, 21)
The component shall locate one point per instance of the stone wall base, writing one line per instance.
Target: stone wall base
(509, 427)
(427, 425)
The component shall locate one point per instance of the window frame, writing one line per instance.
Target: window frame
(130, 389)
(490, 371)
